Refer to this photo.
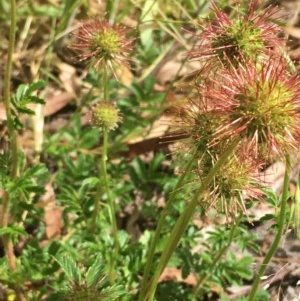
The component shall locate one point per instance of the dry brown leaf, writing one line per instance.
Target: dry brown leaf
(56, 102)
(68, 77)
(53, 217)
(53, 213)
(2, 112)
(158, 129)
(124, 75)
(174, 274)
(293, 31)
(173, 68)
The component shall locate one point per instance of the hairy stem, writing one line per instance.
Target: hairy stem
(280, 228)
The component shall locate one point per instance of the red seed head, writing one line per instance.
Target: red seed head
(102, 44)
(260, 102)
(231, 40)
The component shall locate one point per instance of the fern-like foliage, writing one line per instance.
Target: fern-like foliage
(86, 285)
(22, 98)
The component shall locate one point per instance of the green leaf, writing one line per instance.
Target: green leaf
(24, 97)
(94, 275)
(40, 84)
(148, 12)
(25, 110)
(13, 231)
(70, 268)
(21, 90)
(156, 162)
(91, 182)
(243, 267)
(112, 293)
(139, 169)
(27, 182)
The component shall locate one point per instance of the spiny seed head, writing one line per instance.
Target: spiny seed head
(240, 39)
(102, 44)
(230, 40)
(259, 102)
(199, 122)
(200, 118)
(105, 115)
(236, 182)
(107, 42)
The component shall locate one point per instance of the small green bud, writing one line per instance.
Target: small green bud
(105, 115)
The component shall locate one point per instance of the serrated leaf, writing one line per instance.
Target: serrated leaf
(157, 162)
(40, 84)
(245, 273)
(25, 110)
(23, 97)
(35, 189)
(31, 99)
(37, 171)
(91, 182)
(70, 268)
(21, 91)
(112, 293)
(13, 231)
(245, 261)
(26, 183)
(242, 267)
(94, 275)
(139, 168)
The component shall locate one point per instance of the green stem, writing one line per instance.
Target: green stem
(103, 185)
(7, 78)
(280, 228)
(13, 164)
(97, 203)
(112, 211)
(183, 221)
(105, 85)
(160, 224)
(102, 159)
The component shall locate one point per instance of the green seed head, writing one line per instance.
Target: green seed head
(105, 115)
(107, 42)
(240, 40)
(268, 109)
